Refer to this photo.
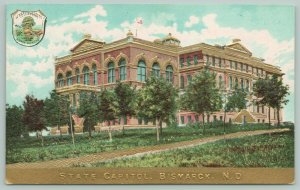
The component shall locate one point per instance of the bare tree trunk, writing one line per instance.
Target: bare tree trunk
(278, 118)
(157, 131)
(161, 130)
(109, 133)
(42, 138)
(269, 116)
(224, 120)
(203, 123)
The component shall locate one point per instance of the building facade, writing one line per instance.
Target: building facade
(92, 65)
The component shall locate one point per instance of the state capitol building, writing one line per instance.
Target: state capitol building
(94, 64)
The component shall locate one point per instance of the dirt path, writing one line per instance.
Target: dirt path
(139, 151)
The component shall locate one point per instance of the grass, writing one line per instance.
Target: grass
(273, 151)
(57, 147)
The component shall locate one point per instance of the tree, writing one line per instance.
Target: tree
(33, 117)
(107, 107)
(14, 125)
(202, 95)
(272, 93)
(157, 100)
(125, 101)
(88, 108)
(279, 93)
(236, 101)
(57, 110)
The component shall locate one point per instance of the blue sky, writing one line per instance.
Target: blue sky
(268, 31)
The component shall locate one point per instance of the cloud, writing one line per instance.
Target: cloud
(60, 38)
(98, 10)
(192, 21)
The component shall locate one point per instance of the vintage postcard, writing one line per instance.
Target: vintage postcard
(156, 94)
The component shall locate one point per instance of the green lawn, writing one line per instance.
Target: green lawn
(56, 147)
(276, 150)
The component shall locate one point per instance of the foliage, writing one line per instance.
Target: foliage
(157, 100)
(14, 125)
(88, 109)
(236, 101)
(58, 147)
(57, 109)
(272, 93)
(107, 106)
(125, 100)
(276, 150)
(202, 95)
(33, 116)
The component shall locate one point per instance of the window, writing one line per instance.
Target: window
(236, 65)
(231, 64)
(247, 85)
(258, 121)
(169, 73)
(242, 84)
(263, 121)
(182, 82)
(242, 67)
(221, 118)
(220, 81)
(141, 71)
(77, 76)
(247, 68)
(263, 109)
(236, 85)
(155, 70)
(220, 63)
(257, 109)
(60, 80)
(95, 75)
(213, 61)
(182, 119)
(188, 61)
(215, 118)
(111, 72)
(146, 121)
(86, 75)
(122, 72)
(189, 119)
(181, 62)
(189, 77)
(207, 118)
(230, 82)
(140, 120)
(195, 59)
(69, 78)
(207, 60)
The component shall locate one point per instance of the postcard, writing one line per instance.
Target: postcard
(156, 94)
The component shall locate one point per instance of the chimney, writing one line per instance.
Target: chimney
(236, 40)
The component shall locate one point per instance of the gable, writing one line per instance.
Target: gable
(239, 47)
(87, 44)
(240, 117)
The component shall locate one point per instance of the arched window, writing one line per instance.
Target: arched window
(86, 75)
(236, 85)
(169, 73)
(155, 70)
(60, 80)
(111, 72)
(141, 71)
(230, 82)
(95, 75)
(77, 75)
(122, 73)
(69, 78)
(220, 81)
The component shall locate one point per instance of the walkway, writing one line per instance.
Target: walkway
(138, 151)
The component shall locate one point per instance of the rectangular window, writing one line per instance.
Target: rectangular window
(146, 121)
(236, 65)
(220, 63)
(242, 67)
(263, 109)
(207, 59)
(189, 77)
(257, 109)
(182, 82)
(221, 118)
(263, 121)
(213, 61)
(215, 118)
(231, 63)
(189, 119)
(247, 68)
(181, 62)
(195, 59)
(207, 118)
(188, 61)
(258, 121)
(182, 119)
(140, 121)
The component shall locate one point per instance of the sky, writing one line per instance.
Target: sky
(267, 31)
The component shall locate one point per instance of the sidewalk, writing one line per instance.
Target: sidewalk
(139, 151)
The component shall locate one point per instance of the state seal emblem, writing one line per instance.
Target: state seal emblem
(28, 27)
